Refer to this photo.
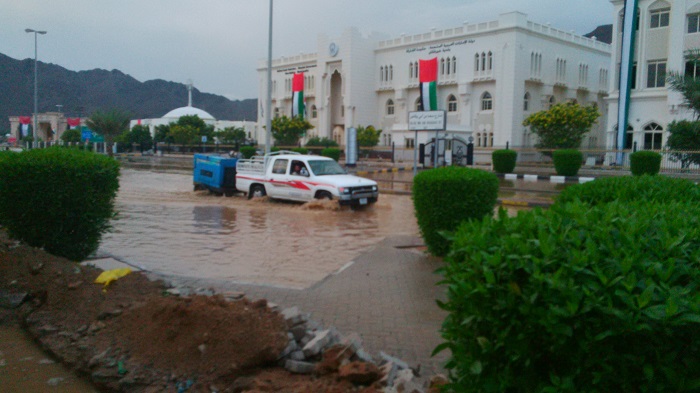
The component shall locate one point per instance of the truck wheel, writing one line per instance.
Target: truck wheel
(256, 191)
(324, 195)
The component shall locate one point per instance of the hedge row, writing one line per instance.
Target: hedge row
(599, 293)
(58, 199)
(504, 160)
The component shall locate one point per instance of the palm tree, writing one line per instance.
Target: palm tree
(109, 124)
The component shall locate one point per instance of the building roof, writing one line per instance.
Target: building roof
(188, 111)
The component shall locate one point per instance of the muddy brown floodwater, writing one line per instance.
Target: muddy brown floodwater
(165, 227)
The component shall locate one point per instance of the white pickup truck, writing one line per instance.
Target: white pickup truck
(292, 176)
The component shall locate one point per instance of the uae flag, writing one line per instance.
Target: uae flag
(428, 84)
(298, 96)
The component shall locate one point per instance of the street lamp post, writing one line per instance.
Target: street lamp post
(36, 87)
(268, 114)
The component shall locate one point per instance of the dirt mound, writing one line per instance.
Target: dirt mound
(201, 335)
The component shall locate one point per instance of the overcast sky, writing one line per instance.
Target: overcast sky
(218, 43)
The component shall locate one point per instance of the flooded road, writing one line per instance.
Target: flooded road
(165, 227)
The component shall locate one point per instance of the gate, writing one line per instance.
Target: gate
(450, 151)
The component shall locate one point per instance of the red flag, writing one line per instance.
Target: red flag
(298, 82)
(428, 70)
(25, 119)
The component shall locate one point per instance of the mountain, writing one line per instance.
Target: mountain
(81, 93)
(602, 33)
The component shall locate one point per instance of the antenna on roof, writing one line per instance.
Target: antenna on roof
(189, 92)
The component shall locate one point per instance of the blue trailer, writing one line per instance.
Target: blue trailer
(215, 173)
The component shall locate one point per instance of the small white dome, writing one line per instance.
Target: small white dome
(188, 111)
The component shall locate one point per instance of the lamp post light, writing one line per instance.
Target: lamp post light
(36, 87)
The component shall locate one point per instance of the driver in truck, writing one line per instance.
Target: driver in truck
(299, 169)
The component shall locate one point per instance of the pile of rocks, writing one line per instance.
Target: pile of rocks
(314, 350)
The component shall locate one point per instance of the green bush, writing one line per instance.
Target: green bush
(58, 199)
(331, 152)
(567, 162)
(321, 142)
(576, 299)
(301, 150)
(247, 151)
(504, 160)
(645, 163)
(274, 149)
(444, 197)
(630, 189)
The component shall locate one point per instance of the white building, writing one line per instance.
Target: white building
(491, 76)
(250, 127)
(666, 29)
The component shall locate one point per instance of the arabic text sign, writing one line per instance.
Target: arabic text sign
(426, 121)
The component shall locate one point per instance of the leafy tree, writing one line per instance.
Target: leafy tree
(689, 86)
(162, 133)
(562, 126)
(109, 124)
(184, 135)
(235, 135)
(321, 142)
(287, 132)
(684, 136)
(368, 136)
(72, 135)
(141, 135)
(194, 121)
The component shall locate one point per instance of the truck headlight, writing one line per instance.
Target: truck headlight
(374, 188)
(344, 190)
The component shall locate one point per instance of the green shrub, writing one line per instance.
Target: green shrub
(58, 199)
(645, 163)
(630, 189)
(504, 160)
(247, 151)
(444, 197)
(576, 299)
(331, 152)
(301, 150)
(274, 149)
(321, 142)
(567, 162)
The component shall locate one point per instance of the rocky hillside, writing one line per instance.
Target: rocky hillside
(83, 92)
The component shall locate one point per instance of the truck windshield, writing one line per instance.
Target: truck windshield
(325, 167)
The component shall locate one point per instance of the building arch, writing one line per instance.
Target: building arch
(451, 103)
(390, 107)
(486, 101)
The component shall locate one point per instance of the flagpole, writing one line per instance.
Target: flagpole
(626, 65)
(268, 118)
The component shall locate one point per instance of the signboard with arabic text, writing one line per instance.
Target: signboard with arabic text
(427, 121)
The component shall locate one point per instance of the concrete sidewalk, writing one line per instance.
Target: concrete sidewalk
(386, 295)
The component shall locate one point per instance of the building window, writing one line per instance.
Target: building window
(390, 107)
(526, 102)
(476, 62)
(659, 18)
(622, 20)
(277, 112)
(416, 105)
(410, 70)
(410, 143)
(391, 72)
(653, 136)
(442, 66)
(486, 102)
(451, 103)
(656, 74)
(491, 139)
(478, 140)
(342, 111)
(483, 61)
(552, 101)
(693, 23)
(692, 69)
(314, 112)
(490, 64)
(454, 65)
